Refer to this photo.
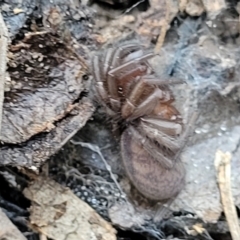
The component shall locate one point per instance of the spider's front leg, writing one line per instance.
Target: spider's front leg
(132, 65)
(107, 89)
(99, 79)
(112, 61)
(144, 97)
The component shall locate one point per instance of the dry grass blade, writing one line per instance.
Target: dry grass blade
(3, 61)
(223, 167)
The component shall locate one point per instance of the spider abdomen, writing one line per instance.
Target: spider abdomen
(147, 175)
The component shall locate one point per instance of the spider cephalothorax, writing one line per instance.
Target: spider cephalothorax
(153, 138)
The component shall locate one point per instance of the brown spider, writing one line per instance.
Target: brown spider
(153, 138)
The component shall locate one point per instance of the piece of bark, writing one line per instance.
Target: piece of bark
(57, 213)
(146, 26)
(194, 8)
(75, 15)
(7, 230)
(36, 151)
(3, 62)
(46, 78)
(214, 7)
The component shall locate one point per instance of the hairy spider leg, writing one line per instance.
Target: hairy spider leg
(170, 81)
(112, 85)
(135, 96)
(166, 133)
(152, 149)
(161, 131)
(107, 59)
(126, 65)
(188, 131)
(99, 81)
(129, 71)
(100, 74)
(100, 86)
(116, 53)
(134, 107)
(164, 124)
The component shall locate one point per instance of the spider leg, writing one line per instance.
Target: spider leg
(99, 80)
(135, 107)
(164, 160)
(127, 72)
(107, 62)
(153, 80)
(100, 74)
(117, 57)
(113, 57)
(126, 50)
(100, 85)
(131, 64)
(164, 132)
(169, 127)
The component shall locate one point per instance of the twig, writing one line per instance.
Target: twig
(223, 167)
(164, 29)
(3, 62)
(96, 149)
(42, 236)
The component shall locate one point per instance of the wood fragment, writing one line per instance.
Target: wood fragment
(3, 62)
(7, 230)
(223, 166)
(58, 214)
(42, 236)
(214, 7)
(164, 29)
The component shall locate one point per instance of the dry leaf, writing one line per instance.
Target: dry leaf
(59, 214)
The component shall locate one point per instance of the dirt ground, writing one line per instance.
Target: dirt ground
(61, 170)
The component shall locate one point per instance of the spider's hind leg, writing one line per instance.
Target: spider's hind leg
(169, 135)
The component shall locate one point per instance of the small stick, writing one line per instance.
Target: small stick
(3, 62)
(223, 167)
(164, 29)
(42, 236)
(96, 149)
